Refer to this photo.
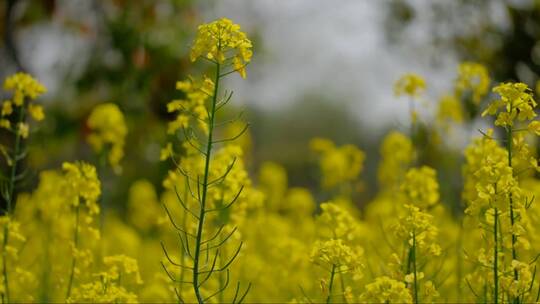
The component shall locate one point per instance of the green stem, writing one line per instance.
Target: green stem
(414, 269)
(496, 258)
(202, 212)
(509, 143)
(330, 285)
(74, 261)
(9, 200)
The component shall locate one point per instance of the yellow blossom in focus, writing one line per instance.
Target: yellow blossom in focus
(222, 40)
(193, 106)
(516, 104)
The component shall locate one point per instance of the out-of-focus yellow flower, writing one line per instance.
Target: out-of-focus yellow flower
(410, 84)
(109, 131)
(472, 77)
(36, 112)
(7, 108)
(420, 187)
(82, 182)
(23, 129)
(23, 85)
(386, 290)
(450, 110)
(397, 155)
(222, 40)
(338, 164)
(143, 205)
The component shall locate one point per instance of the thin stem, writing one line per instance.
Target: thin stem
(496, 258)
(76, 245)
(413, 249)
(9, 200)
(198, 241)
(509, 148)
(330, 285)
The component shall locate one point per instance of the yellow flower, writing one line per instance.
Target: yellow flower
(386, 290)
(334, 253)
(420, 187)
(516, 104)
(397, 154)
(410, 84)
(23, 129)
(472, 77)
(7, 108)
(338, 164)
(450, 110)
(220, 41)
(82, 182)
(193, 107)
(108, 130)
(36, 112)
(23, 85)
(4, 123)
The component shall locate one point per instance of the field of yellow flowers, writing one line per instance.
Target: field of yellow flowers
(221, 234)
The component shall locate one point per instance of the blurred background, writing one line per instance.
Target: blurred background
(320, 68)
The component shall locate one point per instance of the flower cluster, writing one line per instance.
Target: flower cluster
(410, 84)
(386, 290)
(109, 131)
(472, 78)
(221, 41)
(397, 155)
(516, 104)
(193, 107)
(420, 187)
(82, 182)
(24, 88)
(338, 164)
(418, 229)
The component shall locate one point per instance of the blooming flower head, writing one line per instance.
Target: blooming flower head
(516, 104)
(336, 222)
(337, 164)
(23, 86)
(386, 290)
(193, 106)
(108, 131)
(334, 253)
(472, 77)
(450, 110)
(489, 179)
(410, 84)
(82, 182)
(397, 154)
(420, 187)
(416, 227)
(220, 41)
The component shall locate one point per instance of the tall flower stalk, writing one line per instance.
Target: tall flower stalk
(228, 50)
(25, 89)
